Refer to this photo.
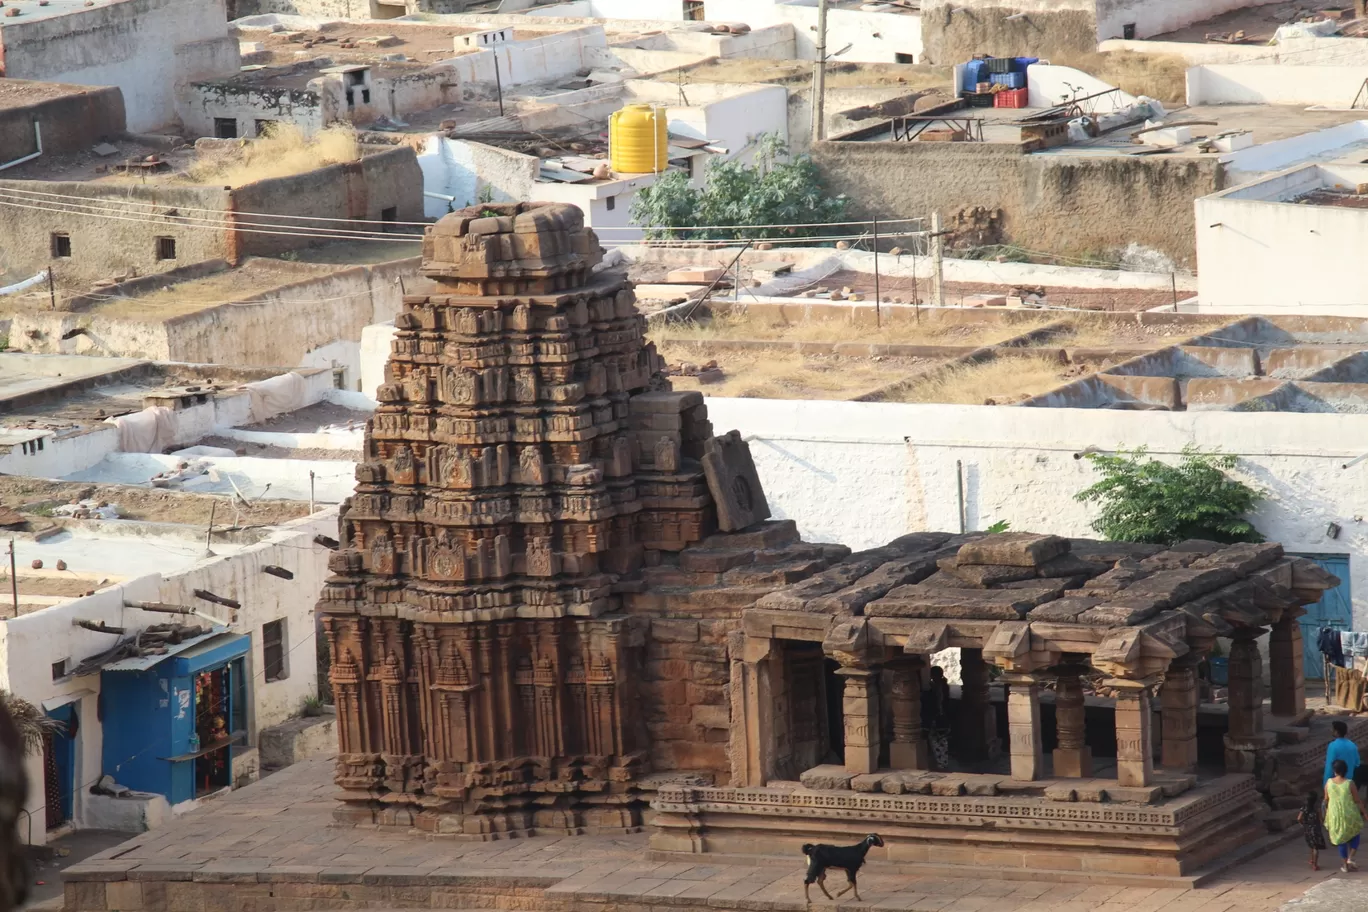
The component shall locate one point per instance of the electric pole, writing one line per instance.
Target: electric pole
(819, 76)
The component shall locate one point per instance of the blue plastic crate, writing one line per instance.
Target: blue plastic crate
(975, 71)
(1010, 80)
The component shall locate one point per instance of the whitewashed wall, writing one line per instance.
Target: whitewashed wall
(1331, 86)
(1293, 52)
(864, 473)
(1259, 252)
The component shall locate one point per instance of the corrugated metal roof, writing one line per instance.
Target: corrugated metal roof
(142, 663)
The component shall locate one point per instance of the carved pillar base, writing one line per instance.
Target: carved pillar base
(1073, 757)
(909, 749)
(1178, 701)
(1023, 725)
(1134, 733)
(861, 707)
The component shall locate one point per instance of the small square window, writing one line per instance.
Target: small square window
(365, 96)
(264, 127)
(273, 650)
(61, 244)
(900, 57)
(389, 214)
(225, 127)
(166, 248)
(1128, 31)
(612, 203)
(59, 670)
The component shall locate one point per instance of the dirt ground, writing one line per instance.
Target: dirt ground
(275, 452)
(312, 418)
(150, 504)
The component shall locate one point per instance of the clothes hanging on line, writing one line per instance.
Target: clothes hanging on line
(1330, 645)
(1353, 642)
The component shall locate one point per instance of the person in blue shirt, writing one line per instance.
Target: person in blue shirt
(1341, 749)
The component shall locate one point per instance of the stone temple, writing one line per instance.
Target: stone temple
(560, 606)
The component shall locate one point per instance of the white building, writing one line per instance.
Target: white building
(151, 49)
(719, 121)
(1289, 243)
(271, 635)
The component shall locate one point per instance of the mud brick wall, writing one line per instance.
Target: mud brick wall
(953, 31)
(1057, 204)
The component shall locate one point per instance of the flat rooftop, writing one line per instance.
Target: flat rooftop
(1267, 123)
(31, 12)
(20, 93)
(369, 40)
(1259, 22)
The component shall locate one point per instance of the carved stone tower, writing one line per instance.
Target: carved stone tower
(480, 666)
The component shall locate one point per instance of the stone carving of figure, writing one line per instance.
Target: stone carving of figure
(531, 468)
(461, 386)
(525, 385)
(666, 455)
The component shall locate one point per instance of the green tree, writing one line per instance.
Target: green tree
(775, 190)
(1145, 500)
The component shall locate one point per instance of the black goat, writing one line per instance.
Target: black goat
(848, 858)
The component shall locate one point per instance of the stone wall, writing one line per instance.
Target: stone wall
(1057, 204)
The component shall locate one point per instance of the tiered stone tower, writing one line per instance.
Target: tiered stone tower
(509, 487)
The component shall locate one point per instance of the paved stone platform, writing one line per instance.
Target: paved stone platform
(272, 847)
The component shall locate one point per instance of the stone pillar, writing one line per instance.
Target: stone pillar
(1245, 740)
(756, 696)
(1072, 756)
(1134, 733)
(1023, 725)
(1178, 700)
(975, 724)
(1286, 674)
(860, 704)
(909, 749)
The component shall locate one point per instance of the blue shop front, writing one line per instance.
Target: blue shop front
(172, 721)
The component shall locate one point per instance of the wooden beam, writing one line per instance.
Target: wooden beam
(100, 627)
(216, 599)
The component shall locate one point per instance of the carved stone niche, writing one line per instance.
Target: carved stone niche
(734, 482)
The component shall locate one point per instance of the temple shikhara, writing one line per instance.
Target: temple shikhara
(560, 605)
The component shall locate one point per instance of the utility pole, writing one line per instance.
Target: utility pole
(937, 261)
(819, 76)
(14, 580)
(878, 296)
(52, 293)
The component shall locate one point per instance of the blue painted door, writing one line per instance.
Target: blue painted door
(1335, 609)
(64, 758)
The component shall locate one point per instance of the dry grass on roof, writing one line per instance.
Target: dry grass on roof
(762, 323)
(1160, 76)
(284, 153)
(1001, 380)
(778, 374)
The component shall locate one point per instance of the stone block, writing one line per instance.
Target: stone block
(868, 782)
(700, 560)
(1135, 794)
(984, 576)
(1091, 790)
(1122, 611)
(909, 783)
(948, 786)
(712, 716)
(827, 777)
(124, 896)
(674, 631)
(1063, 610)
(1174, 587)
(734, 482)
(1013, 549)
(1061, 793)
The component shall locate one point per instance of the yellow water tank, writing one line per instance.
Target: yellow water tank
(638, 142)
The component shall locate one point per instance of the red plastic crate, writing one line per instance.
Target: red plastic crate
(1010, 98)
